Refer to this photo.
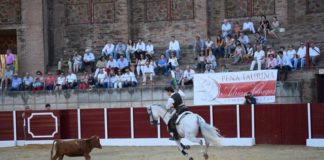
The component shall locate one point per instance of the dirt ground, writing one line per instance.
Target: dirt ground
(258, 152)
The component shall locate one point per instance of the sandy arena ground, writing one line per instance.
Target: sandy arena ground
(259, 152)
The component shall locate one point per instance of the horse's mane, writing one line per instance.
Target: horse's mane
(160, 105)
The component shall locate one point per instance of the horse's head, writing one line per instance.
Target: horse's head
(153, 116)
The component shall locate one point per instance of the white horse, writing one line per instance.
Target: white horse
(188, 128)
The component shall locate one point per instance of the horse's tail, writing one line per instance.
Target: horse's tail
(210, 133)
(52, 149)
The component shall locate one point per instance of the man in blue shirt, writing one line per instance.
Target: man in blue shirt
(284, 64)
(122, 63)
(16, 83)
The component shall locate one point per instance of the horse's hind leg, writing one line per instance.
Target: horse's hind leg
(206, 149)
(182, 150)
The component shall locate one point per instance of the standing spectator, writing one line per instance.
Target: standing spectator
(209, 69)
(122, 63)
(226, 28)
(314, 53)
(60, 82)
(249, 99)
(176, 76)
(47, 106)
(140, 48)
(10, 61)
(259, 56)
(211, 60)
(38, 83)
(27, 82)
(49, 81)
(89, 59)
(111, 65)
(201, 62)
(71, 80)
(16, 83)
(188, 76)
(129, 79)
(238, 54)
(292, 54)
(174, 46)
(149, 48)
(301, 54)
(148, 71)
(77, 62)
(108, 49)
(84, 84)
(162, 64)
(173, 61)
(198, 46)
(248, 26)
(219, 47)
(271, 62)
(120, 49)
(283, 64)
(59, 65)
(131, 48)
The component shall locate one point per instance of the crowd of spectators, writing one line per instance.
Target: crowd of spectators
(126, 64)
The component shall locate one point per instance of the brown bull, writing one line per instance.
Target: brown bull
(75, 148)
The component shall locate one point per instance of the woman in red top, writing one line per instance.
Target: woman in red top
(49, 82)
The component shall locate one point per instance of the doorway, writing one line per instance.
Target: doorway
(8, 39)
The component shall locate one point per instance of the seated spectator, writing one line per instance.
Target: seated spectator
(271, 62)
(314, 53)
(47, 106)
(129, 79)
(173, 61)
(248, 26)
(259, 56)
(176, 75)
(270, 50)
(108, 49)
(188, 76)
(220, 44)
(122, 63)
(237, 29)
(209, 69)
(174, 46)
(238, 54)
(16, 83)
(130, 49)
(101, 63)
(60, 82)
(260, 39)
(89, 60)
(77, 62)
(140, 48)
(140, 64)
(111, 79)
(249, 99)
(59, 65)
(49, 81)
(249, 55)
(118, 83)
(149, 48)
(100, 79)
(243, 39)
(71, 81)
(201, 62)
(226, 28)
(198, 46)
(162, 64)
(38, 82)
(120, 49)
(301, 54)
(27, 82)
(229, 46)
(292, 54)
(84, 84)
(91, 81)
(283, 64)
(275, 24)
(211, 60)
(111, 64)
(265, 27)
(210, 45)
(148, 71)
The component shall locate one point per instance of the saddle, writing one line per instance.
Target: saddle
(181, 116)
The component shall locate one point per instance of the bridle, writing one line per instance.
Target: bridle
(155, 122)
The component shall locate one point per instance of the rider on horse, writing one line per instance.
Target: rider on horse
(175, 101)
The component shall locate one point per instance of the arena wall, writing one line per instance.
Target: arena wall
(240, 125)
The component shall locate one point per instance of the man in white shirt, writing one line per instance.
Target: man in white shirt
(129, 79)
(71, 80)
(27, 82)
(188, 76)
(100, 78)
(226, 28)
(108, 49)
(111, 64)
(173, 46)
(258, 58)
(89, 59)
(140, 48)
(284, 64)
(148, 71)
(208, 69)
(292, 54)
(244, 39)
(210, 45)
(149, 48)
(301, 54)
(248, 26)
(120, 49)
(314, 53)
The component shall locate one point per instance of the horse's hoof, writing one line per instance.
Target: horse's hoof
(191, 158)
(187, 147)
(206, 156)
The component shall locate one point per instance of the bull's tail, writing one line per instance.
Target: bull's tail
(209, 132)
(52, 149)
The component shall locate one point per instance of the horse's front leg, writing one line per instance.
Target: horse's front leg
(182, 150)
